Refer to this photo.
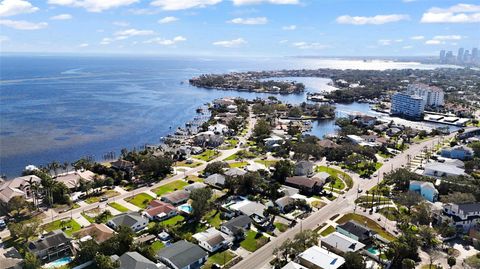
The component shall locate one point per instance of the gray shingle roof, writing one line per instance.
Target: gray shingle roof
(182, 253)
(237, 222)
(470, 207)
(134, 260)
(52, 239)
(127, 219)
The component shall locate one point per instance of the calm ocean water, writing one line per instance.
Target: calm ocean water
(65, 108)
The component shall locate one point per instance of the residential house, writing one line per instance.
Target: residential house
(285, 204)
(304, 168)
(159, 210)
(339, 243)
(437, 169)
(213, 240)
(327, 144)
(133, 220)
(223, 102)
(237, 226)
(52, 246)
(235, 172)
(356, 231)
(215, 180)
(252, 209)
(10, 258)
(318, 258)
(208, 139)
(366, 120)
(18, 186)
(72, 180)
(274, 141)
(306, 185)
(176, 197)
(426, 189)
(458, 152)
(195, 185)
(219, 129)
(293, 265)
(464, 216)
(123, 165)
(134, 260)
(182, 255)
(98, 232)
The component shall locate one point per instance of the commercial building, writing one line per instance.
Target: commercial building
(407, 105)
(432, 96)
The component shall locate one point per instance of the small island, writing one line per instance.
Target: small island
(245, 82)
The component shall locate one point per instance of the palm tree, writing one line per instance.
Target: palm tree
(65, 166)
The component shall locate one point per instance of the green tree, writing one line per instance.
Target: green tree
(105, 262)
(200, 202)
(31, 261)
(88, 250)
(408, 264)
(409, 199)
(119, 243)
(215, 168)
(452, 261)
(261, 130)
(354, 260)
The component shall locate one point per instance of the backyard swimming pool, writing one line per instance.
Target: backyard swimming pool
(373, 251)
(185, 208)
(58, 263)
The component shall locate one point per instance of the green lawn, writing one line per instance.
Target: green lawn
(238, 164)
(70, 226)
(267, 163)
(281, 226)
(337, 174)
(337, 184)
(194, 178)
(157, 245)
(390, 213)
(253, 241)
(213, 218)
(90, 219)
(368, 222)
(170, 187)
(241, 154)
(327, 231)
(173, 221)
(118, 207)
(141, 200)
(220, 258)
(207, 155)
(230, 144)
(185, 164)
(97, 197)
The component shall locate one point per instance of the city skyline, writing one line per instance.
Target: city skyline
(239, 27)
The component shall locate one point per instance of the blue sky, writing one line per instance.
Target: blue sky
(240, 27)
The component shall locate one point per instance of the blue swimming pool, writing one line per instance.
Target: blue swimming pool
(58, 263)
(185, 208)
(373, 250)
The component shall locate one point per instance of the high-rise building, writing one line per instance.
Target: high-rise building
(407, 105)
(475, 56)
(432, 96)
(466, 56)
(442, 56)
(460, 55)
(449, 58)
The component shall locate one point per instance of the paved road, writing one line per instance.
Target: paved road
(262, 256)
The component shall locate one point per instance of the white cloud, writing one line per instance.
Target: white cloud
(447, 37)
(166, 42)
(417, 37)
(307, 45)
(275, 2)
(15, 7)
(121, 23)
(387, 42)
(289, 27)
(168, 19)
(434, 42)
(460, 13)
(283, 41)
(61, 17)
(376, 20)
(93, 5)
(4, 39)
(249, 21)
(407, 47)
(106, 41)
(124, 34)
(23, 25)
(183, 4)
(83, 45)
(230, 43)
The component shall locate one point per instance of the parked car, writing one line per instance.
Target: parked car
(104, 199)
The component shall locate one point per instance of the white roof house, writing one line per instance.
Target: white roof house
(293, 265)
(317, 257)
(437, 169)
(213, 240)
(341, 243)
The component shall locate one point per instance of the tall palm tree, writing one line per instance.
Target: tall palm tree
(65, 166)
